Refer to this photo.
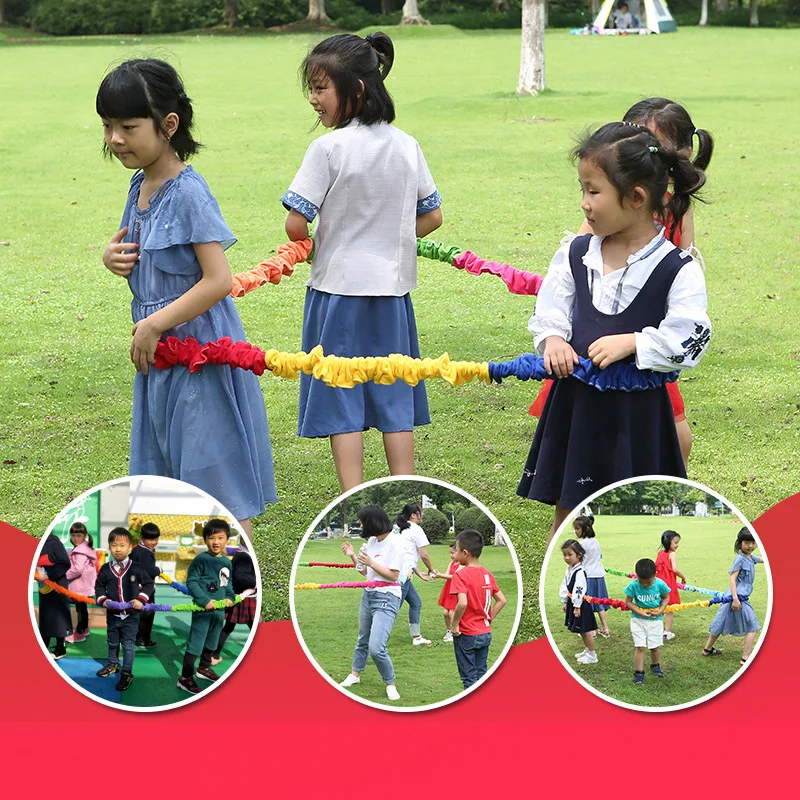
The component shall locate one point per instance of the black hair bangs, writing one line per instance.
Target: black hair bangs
(123, 95)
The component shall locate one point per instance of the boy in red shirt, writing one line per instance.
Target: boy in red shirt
(475, 587)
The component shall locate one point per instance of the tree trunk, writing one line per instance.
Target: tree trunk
(499, 5)
(703, 13)
(531, 67)
(230, 13)
(411, 15)
(387, 7)
(316, 11)
(723, 5)
(753, 13)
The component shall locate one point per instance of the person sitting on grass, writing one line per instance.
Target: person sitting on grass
(145, 554)
(122, 581)
(208, 580)
(475, 587)
(647, 597)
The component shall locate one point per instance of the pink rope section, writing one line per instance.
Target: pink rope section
(517, 280)
(273, 269)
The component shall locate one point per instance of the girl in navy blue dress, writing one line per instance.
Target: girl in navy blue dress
(738, 618)
(634, 304)
(371, 188)
(578, 615)
(208, 428)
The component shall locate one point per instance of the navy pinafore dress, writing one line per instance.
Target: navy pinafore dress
(587, 439)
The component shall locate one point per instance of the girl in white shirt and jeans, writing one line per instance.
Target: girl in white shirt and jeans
(373, 192)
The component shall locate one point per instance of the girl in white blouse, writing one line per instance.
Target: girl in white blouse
(632, 303)
(371, 189)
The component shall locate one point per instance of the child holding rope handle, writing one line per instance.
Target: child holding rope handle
(623, 294)
(208, 428)
(371, 188)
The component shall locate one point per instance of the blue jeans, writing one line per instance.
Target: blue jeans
(411, 596)
(471, 654)
(375, 619)
(122, 631)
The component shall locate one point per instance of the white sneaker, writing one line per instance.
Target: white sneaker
(589, 657)
(669, 635)
(391, 692)
(448, 637)
(351, 680)
(582, 653)
(417, 640)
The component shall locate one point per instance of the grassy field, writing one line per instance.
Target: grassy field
(328, 621)
(502, 167)
(705, 555)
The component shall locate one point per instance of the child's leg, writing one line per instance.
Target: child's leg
(127, 634)
(414, 608)
(684, 440)
(654, 654)
(348, 458)
(361, 652)
(749, 641)
(83, 618)
(710, 643)
(399, 448)
(212, 637)
(448, 618)
(247, 527)
(465, 652)
(112, 638)
(384, 612)
(194, 646)
(668, 621)
(482, 653)
(560, 515)
(588, 640)
(638, 658)
(223, 637)
(603, 621)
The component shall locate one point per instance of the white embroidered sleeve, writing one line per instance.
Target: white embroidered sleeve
(554, 304)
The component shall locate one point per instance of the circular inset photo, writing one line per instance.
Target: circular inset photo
(145, 593)
(656, 593)
(407, 593)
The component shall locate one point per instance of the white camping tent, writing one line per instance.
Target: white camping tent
(652, 16)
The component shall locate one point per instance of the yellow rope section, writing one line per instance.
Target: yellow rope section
(684, 606)
(385, 370)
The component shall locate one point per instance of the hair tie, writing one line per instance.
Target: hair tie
(631, 124)
(652, 149)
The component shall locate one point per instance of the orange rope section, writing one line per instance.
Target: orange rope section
(273, 269)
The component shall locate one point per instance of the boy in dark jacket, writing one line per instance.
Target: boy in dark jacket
(144, 554)
(123, 581)
(209, 579)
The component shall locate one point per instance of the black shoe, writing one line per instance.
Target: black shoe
(59, 652)
(189, 685)
(124, 682)
(111, 668)
(638, 677)
(656, 670)
(148, 644)
(207, 674)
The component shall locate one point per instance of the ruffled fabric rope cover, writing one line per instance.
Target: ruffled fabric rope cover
(623, 606)
(346, 585)
(324, 564)
(115, 606)
(174, 584)
(273, 269)
(683, 586)
(518, 281)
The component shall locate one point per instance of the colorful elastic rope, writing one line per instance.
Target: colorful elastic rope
(174, 584)
(325, 564)
(273, 269)
(346, 585)
(682, 586)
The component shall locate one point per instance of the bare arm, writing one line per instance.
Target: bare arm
(687, 230)
(458, 612)
(428, 223)
(673, 559)
(296, 226)
(499, 603)
(426, 559)
(215, 285)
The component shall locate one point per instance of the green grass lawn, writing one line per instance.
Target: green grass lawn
(705, 555)
(502, 167)
(328, 621)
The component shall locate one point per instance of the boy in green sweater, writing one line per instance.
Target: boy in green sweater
(209, 579)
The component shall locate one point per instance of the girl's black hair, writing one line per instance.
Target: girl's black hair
(404, 517)
(348, 60)
(675, 124)
(575, 546)
(374, 521)
(79, 527)
(631, 156)
(585, 524)
(744, 535)
(666, 539)
(150, 89)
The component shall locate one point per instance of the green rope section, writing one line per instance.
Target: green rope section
(438, 251)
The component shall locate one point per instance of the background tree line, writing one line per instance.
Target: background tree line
(86, 17)
(653, 497)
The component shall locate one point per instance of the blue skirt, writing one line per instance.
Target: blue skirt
(596, 587)
(734, 623)
(359, 326)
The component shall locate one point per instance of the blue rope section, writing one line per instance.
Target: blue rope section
(620, 376)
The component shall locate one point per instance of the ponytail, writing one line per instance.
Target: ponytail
(705, 149)
(687, 181)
